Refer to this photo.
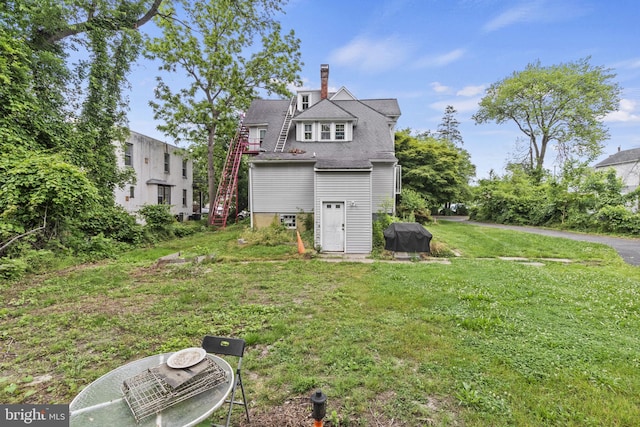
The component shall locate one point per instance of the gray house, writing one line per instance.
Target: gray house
(329, 155)
(626, 163)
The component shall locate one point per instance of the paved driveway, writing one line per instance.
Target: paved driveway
(628, 248)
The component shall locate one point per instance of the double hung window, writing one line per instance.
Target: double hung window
(325, 131)
(308, 132)
(164, 194)
(167, 162)
(128, 155)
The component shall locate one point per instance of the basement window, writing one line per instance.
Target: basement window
(289, 221)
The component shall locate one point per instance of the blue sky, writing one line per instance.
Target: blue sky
(432, 53)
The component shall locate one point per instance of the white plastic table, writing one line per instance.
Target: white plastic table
(101, 403)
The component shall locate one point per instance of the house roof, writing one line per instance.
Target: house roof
(624, 156)
(266, 111)
(324, 110)
(372, 133)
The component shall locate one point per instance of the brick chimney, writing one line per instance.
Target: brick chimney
(324, 81)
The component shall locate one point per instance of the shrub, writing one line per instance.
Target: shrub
(383, 220)
(12, 269)
(112, 222)
(618, 219)
(274, 235)
(159, 223)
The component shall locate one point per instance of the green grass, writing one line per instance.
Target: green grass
(481, 341)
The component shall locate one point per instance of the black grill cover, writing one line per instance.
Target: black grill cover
(407, 237)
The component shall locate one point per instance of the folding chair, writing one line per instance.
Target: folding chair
(229, 347)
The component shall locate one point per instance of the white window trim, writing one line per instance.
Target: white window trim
(316, 131)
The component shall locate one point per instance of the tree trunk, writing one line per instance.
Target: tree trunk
(211, 168)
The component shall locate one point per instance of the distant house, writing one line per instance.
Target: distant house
(163, 175)
(626, 163)
(328, 155)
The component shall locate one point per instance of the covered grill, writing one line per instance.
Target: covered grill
(407, 237)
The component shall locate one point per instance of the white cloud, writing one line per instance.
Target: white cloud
(629, 63)
(461, 106)
(626, 113)
(536, 11)
(471, 91)
(440, 60)
(370, 54)
(440, 88)
(521, 13)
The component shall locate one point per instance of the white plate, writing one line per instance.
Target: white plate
(187, 357)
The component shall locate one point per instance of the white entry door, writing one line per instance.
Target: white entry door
(333, 226)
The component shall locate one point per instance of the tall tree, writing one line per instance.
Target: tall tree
(228, 49)
(435, 168)
(561, 104)
(78, 110)
(448, 129)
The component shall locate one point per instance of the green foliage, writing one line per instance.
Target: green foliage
(38, 188)
(12, 269)
(581, 199)
(618, 219)
(382, 221)
(413, 205)
(231, 49)
(159, 222)
(273, 235)
(112, 222)
(436, 169)
(560, 104)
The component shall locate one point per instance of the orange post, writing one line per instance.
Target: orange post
(300, 244)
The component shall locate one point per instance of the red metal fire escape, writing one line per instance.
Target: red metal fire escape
(227, 194)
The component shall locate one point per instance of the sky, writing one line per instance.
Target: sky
(429, 54)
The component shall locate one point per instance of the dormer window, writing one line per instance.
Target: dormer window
(324, 131)
(305, 101)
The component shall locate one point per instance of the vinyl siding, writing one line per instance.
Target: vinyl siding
(282, 188)
(383, 186)
(347, 187)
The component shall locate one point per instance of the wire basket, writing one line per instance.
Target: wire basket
(148, 393)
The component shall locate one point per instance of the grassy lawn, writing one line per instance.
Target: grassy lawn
(481, 341)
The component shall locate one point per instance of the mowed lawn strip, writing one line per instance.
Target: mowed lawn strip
(481, 341)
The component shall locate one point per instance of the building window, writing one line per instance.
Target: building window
(164, 194)
(132, 192)
(308, 132)
(128, 154)
(325, 131)
(184, 168)
(167, 162)
(289, 221)
(184, 198)
(305, 102)
(261, 134)
(340, 131)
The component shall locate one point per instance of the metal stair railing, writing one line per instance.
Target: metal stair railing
(227, 193)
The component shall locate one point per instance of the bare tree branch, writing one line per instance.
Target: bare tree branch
(81, 27)
(20, 236)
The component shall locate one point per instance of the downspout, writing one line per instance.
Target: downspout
(251, 193)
